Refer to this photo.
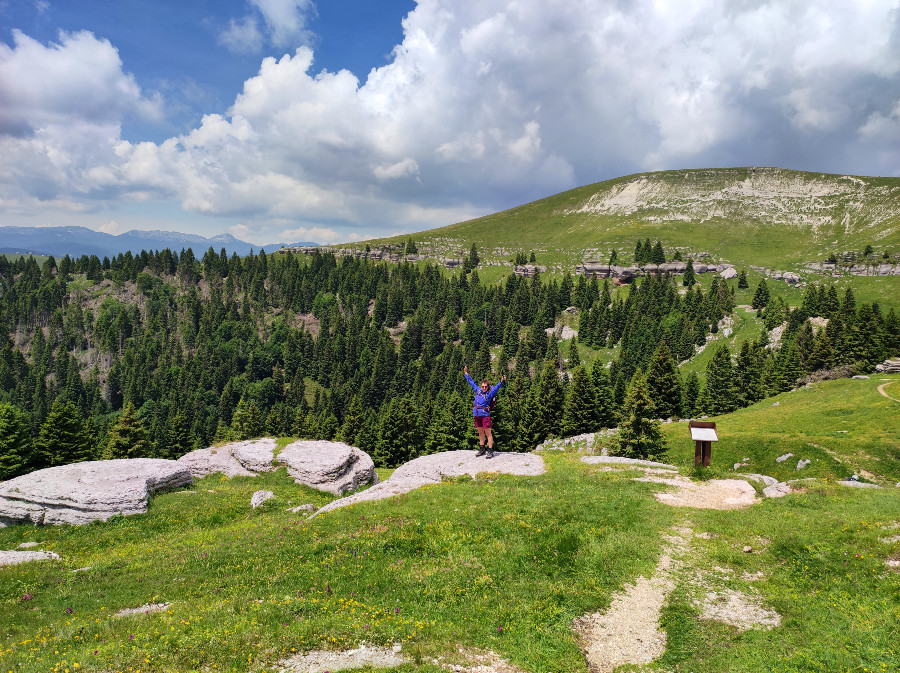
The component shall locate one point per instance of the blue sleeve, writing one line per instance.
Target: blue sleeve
(493, 391)
(472, 383)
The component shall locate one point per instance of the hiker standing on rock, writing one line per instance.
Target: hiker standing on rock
(481, 410)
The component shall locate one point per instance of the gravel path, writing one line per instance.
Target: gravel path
(433, 468)
(322, 661)
(628, 632)
(713, 494)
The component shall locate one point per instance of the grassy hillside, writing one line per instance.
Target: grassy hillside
(502, 564)
(767, 217)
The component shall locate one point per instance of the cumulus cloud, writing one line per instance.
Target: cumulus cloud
(486, 104)
(284, 25)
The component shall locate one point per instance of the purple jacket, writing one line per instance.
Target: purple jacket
(482, 406)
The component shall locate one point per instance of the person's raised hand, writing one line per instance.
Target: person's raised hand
(465, 369)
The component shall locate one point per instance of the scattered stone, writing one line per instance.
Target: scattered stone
(893, 563)
(729, 273)
(144, 609)
(322, 661)
(28, 545)
(89, 491)
(432, 469)
(775, 404)
(707, 536)
(302, 508)
(334, 467)
(803, 462)
(890, 540)
(260, 497)
(753, 577)
(783, 458)
(860, 377)
(747, 549)
(764, 478)
(11, 558)
(81, 570)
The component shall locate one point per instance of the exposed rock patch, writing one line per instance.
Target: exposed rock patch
(433, 468)
(713, 494)
(334, 467)
(260, 497)
(246, 458)
(83, 492)
(144, 609)
(364, 656)
(11, 558)
(738, 610)
(618, 460)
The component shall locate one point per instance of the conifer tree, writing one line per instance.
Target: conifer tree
(247, 421)
(543, 409)
(721, 394)
(690, 396)
(789, 367)
(64, 437)
(640, 434)
(664, 383)
(658, 256)
(580, 413)
(761, 296)
(822, 354)
(574, 360)
(689, 278)
(128, 438)
(482, 368)
(16, 448)
(179, 439)
(353, 423)
(742, 280)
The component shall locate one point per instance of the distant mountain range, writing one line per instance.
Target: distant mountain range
(77, 241)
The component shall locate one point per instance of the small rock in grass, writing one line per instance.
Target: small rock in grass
(11, 558)
(28, 545)
(302, 508)
(783, 458)
(860, 377)
(747, 549)
(260, 497)
(803, 462)
(775, 404)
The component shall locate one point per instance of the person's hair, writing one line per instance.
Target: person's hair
(483, 381)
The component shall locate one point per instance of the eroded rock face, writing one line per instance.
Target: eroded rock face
(89, 491)
(246, 458)
(334, 467)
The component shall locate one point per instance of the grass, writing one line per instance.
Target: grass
(500, 563)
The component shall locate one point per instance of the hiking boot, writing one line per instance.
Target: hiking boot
(490, 454)
(480, 452)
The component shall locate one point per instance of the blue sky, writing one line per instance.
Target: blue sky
(286, 120)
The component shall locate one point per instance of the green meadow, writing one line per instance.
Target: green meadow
(496, 563)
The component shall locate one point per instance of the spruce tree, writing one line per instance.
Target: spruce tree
(64, 437)
(127, 438)
(721, 384)
(574, 360)
(247, 421)
(664, 383)
(689, 278)
(761, 296)
(640, 433)
(580, 413)
(482, 368)
(822, 354)
(690, 395)
(742, 280)
(16, 448)
(658, 256)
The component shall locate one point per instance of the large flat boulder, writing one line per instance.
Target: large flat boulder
(247, 458)
(334, 467)
(433, 468)
(89, 491)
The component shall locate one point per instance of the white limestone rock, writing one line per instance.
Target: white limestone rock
(11, 558)
(89, 491)
(334, 467)
(260, 497)
(246, 459)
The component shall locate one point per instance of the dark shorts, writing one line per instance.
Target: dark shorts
(482, 421)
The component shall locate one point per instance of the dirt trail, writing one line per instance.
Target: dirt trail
(881, 389)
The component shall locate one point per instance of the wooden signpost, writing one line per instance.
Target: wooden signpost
(703, 434)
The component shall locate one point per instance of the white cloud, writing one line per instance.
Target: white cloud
(486, 104)
(242, 36)
(322, 235)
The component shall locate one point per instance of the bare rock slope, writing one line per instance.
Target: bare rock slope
(89, 491)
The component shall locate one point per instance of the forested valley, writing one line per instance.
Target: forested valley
(159, 353)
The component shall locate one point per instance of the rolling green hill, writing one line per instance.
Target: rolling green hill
(769, 217)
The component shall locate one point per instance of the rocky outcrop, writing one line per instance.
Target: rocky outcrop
(528, 270)
(433, 468)
(247, 458)
(90, 491)
(334, 467)
(597, 269)
(11, 558)
(889, 366)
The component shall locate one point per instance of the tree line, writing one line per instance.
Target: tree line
(159, 353)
